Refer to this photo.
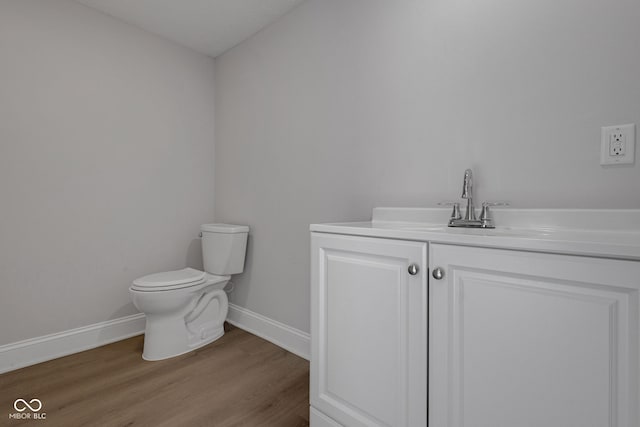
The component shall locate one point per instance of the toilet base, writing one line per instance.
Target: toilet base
(152, 354)
(170, 335)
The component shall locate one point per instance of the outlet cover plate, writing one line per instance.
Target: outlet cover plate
(617, 145)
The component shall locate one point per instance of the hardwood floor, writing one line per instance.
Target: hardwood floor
(239, 380)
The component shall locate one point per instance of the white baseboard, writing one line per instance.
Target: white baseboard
(291, 339)
(41, 349)
(36, 350)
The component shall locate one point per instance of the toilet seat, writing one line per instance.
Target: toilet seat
(170, 280)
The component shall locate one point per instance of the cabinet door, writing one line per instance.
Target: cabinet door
(527, 339)
(369, 330)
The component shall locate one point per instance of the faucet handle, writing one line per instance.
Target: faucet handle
(496, 203)
(455, 213)
(485, 215)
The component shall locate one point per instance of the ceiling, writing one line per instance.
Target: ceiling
(207, 26)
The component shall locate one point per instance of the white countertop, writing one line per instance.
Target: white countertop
(592, 232)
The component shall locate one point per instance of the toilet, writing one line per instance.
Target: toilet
(186, 309)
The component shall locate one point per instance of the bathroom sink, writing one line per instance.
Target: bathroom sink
(502, 232)
(497, 232)
(425, 228)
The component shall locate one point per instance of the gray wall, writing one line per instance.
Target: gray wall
(346, 105)
(106, 163)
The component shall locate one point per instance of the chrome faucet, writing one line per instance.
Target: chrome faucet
(469, 220)
(467, 193)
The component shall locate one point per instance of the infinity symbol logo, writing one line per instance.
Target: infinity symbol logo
(26, 405)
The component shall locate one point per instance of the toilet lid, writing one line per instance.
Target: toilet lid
(185, 276)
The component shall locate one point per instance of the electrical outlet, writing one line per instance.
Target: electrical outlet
(618, 145)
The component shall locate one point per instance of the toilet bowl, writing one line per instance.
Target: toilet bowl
(186, 309)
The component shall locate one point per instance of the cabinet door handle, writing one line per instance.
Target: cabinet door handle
(413, 269)
(438, 273)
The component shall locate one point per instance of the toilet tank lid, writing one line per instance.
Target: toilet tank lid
(224, 228)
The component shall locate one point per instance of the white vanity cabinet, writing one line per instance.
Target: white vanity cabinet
(525, 339)
(369, 331)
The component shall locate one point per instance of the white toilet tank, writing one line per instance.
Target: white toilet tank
(223, 248)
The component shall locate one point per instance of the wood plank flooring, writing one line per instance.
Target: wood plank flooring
(239, 380)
